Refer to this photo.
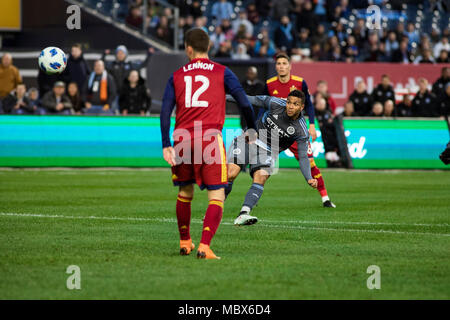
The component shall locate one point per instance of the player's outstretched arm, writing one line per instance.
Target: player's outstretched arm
(168, 104)
(303, 161)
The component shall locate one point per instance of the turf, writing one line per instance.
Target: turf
(397, 220)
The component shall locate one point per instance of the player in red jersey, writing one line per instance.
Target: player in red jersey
(198, 156)
(280, 86)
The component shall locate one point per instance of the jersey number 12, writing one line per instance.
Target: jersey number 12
(192, 100)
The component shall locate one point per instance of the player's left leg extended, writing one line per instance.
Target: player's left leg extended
(183, 210)
(316, 174)
(252, 197)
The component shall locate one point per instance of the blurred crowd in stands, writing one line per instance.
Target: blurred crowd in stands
(112, 87)
(116, 87)
(317, 30)
(311, 30)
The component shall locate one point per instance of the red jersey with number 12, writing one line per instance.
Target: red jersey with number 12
(200, 95)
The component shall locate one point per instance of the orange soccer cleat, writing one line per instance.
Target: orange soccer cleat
(186, 246)
(205, 252)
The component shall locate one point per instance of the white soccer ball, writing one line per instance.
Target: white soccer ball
(52, 60)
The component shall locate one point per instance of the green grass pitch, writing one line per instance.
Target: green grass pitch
(119, 227)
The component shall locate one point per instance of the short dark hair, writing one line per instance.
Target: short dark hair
(282, 55)
(198, 39)
(384, 76)
(77, 45)
(298, 94)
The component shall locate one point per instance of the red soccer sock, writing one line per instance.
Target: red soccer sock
(315, 172)
(184, 216)
(212, 220)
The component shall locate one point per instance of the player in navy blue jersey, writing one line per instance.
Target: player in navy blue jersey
(281, 125)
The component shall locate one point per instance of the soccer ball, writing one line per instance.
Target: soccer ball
(52, 60)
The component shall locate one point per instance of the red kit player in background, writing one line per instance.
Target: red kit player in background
(198, 156)
(280, 86)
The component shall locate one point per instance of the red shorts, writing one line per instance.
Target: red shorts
(294, 150)
(201, 162)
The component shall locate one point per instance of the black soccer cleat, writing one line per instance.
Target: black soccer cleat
(329, 204)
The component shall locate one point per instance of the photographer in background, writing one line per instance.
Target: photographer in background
(327, 128)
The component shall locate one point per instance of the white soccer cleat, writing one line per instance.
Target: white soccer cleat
(244, 219)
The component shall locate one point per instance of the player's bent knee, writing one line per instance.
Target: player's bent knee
(260, 176)
(218, 194)
(186, 191)
(233, 171)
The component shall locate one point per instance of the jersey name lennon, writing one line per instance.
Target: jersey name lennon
(198, 65)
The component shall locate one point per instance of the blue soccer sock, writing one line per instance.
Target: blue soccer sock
(252, 197)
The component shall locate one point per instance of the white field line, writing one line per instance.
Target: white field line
(172, 220)
(362, 223)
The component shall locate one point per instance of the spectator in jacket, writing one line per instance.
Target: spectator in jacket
(9, 75)
(402, 54)
(77, 69)
(404, 109)
(322, 88)
(285, 35)
(121, 67)
(443, 57)
(242, 20)
(362, 101)
(99, 91)
(384, 91)
(441, 45)
(349, 110)
(135, 97)
(327, 128)
(264, 46)
(56, 101)
(74, 95)
(222, 10)
(426, 57)
(134, 17)
(439, 85)
(444, 101)
(252, 85)
(35, 102)
(424, 103)
(17, 102)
